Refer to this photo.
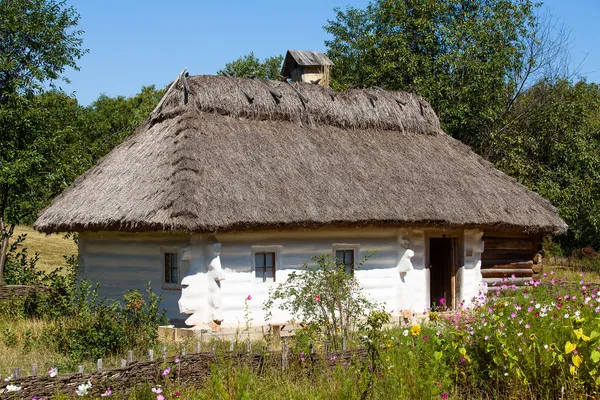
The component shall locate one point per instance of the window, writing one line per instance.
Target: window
(171, 267)
(346, 258)
(264, 265)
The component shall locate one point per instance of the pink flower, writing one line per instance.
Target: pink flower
(160, 397)
(302, 358)
(527, 326)
(333, 358)
(444, 396)
(166, 371)
(157, 390)
(530, 309)
(317, 298)
(249, 298)
(107, 393)
(462, 360)
(177, 394)
(425, 338)
(442, 300)
(177, 359)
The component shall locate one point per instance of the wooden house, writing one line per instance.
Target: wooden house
(232, 183)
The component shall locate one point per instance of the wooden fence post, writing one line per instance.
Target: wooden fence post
(17, 373)
(129, 357)
(284, 354)
(344, 346)
(164, 352)
(248, 346)
(326, 347)
(151, 355)
(80, 370)
(213, 348)
(198, 347)
(99, 365)
(34, 371)
(183, 350)
(231, 344)
(123, 363)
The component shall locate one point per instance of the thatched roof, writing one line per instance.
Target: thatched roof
(250, 154)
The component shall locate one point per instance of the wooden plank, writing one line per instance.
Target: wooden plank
(505, 273)
(494, 243)
(517, 265)
(525, 255)
(498, 281)
(506, 234)
(487, 263)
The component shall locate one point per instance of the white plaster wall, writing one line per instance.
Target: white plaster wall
(469, 275)
(121, 262)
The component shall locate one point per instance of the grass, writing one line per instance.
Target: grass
(51, 248)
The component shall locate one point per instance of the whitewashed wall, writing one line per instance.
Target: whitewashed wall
(121, 262)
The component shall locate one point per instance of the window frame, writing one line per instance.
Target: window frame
(355, 247)
(276, 259)
(170, 285)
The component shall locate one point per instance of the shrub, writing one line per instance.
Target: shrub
(325, 298)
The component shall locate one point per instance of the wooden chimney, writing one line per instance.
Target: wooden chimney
(307, 66)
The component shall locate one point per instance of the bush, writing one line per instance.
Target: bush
(101, 328)
(325, 298)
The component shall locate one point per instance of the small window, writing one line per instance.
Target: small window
(172, 268)
(345, 258)
(264, 266)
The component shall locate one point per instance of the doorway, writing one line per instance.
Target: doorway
(442, 259)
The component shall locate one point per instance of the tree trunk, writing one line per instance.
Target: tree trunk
(4, 232)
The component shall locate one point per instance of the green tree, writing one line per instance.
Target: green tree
(250, 66)
(470, 59)
(38, 40)
(556, 152)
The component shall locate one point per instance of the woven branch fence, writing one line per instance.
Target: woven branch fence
(190, 370)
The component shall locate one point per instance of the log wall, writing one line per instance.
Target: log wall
(506, 255)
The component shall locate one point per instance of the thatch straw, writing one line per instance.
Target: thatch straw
(221, 163)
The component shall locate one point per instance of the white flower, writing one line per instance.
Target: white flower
(13, 388)
(8, 378)
(566, 315)
(83, 389)
(53, 372)
(405, 333)
(546, 346)
(537, 306)
(577, 313)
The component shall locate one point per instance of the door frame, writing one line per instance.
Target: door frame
(457, 237)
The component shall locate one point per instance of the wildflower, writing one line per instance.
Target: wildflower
(551, 272)
(8, 378)
(425, 338)
(333, 358)
(249, 298)
(177, 394)
(527, 326)
(302, 358)
(438, 334)
(444, 395)
(581, 282)
(513, 315)
(538, 305)
(157, 390)
(486, 337)
(317, 298)
(160, 397)
(53, 372)
(405, 332)
(166, 371)
(530, 309)
(13, 388)
(82, 390)
(415, 330)
(532, 337)
(566, 315)
(107, 393)
(546, 346)
(462, 360)
(177, 359)
(442, 301)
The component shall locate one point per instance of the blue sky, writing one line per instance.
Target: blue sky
(134, 43)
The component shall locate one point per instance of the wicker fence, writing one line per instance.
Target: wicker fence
(186, 369)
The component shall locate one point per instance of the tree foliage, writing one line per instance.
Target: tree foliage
(556, 152)
(250, 66)
(466, 57)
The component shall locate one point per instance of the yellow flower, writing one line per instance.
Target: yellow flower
(532, 336)
(505, 353)
(415, 330)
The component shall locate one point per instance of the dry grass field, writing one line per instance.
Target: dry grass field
(51, 248)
